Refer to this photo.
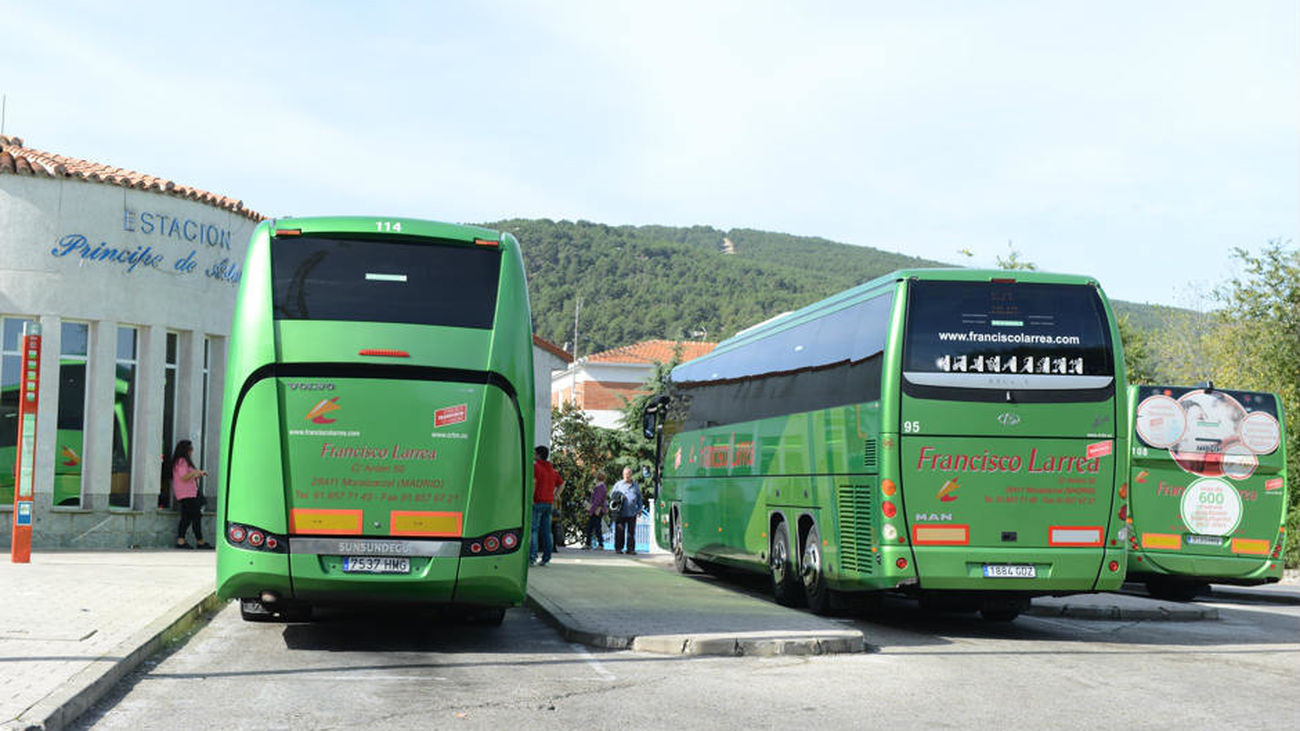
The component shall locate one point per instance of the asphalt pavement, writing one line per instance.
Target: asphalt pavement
(75, 623)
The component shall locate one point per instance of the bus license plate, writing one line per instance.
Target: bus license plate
(1195, 540)
(376, 565)
(1010, 571)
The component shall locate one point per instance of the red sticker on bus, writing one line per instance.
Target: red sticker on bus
(1099, 449)
(450, 415)
(1273, 484)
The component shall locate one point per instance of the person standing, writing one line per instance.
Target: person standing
(625, 519)
(596, 510)
(546, 487)
(185, 488)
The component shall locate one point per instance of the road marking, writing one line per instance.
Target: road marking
(593, 663)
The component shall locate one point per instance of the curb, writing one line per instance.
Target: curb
(1115, 612)
(757, 644)
(1263, 597)
(83, 690)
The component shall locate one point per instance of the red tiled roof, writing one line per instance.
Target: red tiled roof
(552, 348)
(18, 159)
(652, 351)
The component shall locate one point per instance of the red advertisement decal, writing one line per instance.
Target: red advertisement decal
(1100, 449)
(450, 415)
(1273, 484)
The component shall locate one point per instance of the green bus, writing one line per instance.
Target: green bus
(378, 417)
(1208, 484)
(952, 434)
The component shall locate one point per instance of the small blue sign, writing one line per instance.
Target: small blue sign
(24, 516)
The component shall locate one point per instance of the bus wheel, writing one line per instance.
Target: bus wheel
(810, 569)
(251, 610)
(1175, 590)
(680, 560)
(784, 584)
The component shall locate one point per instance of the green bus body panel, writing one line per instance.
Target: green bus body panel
(1233, 541)
(319, 440)
(731, 483)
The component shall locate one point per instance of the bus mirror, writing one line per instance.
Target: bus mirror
(648, 423)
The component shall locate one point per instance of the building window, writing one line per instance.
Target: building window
(170, 372)
(11, 371)
(210, 505)
(74, 352)
(124, 416)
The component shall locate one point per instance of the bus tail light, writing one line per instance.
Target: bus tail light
(496, 543)
(1113, 566)
(901, 562)
(252, 538)
(385, 353)
(1123, 512)
(487, 242)
(288, 232)
(888, 509)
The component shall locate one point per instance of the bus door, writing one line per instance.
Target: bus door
(1008, 434)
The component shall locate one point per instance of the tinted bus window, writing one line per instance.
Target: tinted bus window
(1003, 337)
(384, 281)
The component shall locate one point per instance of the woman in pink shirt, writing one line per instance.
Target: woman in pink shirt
(185, 488)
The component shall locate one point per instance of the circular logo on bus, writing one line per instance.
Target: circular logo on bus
(1211, 507)
(1161, 421)
(1260, 432)
(1239, 462)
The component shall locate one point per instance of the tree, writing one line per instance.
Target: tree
(1256, 345)
(581, 453)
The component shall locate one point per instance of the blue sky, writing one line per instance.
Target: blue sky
(1135, 141)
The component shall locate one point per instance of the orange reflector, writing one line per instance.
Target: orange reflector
(384, 352)
(888, 487)
(941, 535)
(1253, 546)
(1163, 541)
(288, 232)
(331, 522)
(422, 523)
(1075, 535)
(486, 242)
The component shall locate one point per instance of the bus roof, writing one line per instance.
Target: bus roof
(720, 364)
(384, 225)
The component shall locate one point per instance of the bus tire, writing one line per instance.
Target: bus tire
(815, 590)
(680, 560)
(785, 585)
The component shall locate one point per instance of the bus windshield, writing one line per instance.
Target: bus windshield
(1006, 336)
(365, 280)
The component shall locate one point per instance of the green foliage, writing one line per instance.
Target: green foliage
(1013, 262)
(1256, 345)
(1139, 362)
(646, 282)
(583, 454)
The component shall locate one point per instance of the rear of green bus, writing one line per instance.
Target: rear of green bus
(378, 416)
(1208, 482)
(1002, 480)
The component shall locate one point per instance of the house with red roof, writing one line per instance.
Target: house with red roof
(601, 383)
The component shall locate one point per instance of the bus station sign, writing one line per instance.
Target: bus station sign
(28, 406)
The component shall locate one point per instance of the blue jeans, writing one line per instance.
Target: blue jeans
(542, 530)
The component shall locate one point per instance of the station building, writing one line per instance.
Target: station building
(132, 280)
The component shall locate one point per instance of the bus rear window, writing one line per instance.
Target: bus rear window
(1007, 336)
(367, 280)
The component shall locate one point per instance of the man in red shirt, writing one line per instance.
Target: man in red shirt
(546, 487)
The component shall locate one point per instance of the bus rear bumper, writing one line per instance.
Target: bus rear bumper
(1035, 571)
(1240, 570)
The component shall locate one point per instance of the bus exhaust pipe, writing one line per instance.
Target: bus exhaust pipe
(269, 598)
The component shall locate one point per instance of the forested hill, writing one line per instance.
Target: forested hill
(644, 282)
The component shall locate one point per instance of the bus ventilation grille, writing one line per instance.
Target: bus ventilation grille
(854, 504)
(869, 454)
